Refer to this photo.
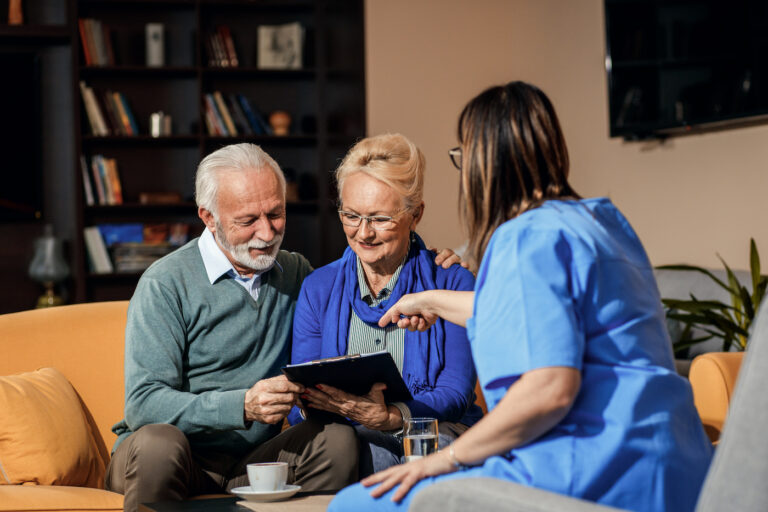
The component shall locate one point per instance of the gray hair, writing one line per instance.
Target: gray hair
(235, 157)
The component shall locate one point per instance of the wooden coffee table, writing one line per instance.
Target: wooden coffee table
(301, 502)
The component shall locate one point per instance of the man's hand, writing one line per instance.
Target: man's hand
(447, 257)
(270, 400)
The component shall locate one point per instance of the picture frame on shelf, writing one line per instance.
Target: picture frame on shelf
(280, 46)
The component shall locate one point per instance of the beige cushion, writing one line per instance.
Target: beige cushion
(45, 438)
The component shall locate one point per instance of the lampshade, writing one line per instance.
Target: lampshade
(48, 264)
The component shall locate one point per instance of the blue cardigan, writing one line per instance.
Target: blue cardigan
(450, 398)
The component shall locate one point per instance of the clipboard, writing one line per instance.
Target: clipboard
(354, 374)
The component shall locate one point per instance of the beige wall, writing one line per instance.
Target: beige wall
(688, 198)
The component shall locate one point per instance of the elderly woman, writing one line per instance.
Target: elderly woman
(380, 184)
(567, 333)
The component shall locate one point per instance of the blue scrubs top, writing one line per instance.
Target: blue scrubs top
(569, 284)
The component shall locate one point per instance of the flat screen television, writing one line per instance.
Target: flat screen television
(21, 192)
(682, 66)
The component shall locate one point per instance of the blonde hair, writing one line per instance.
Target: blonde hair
(390, 158)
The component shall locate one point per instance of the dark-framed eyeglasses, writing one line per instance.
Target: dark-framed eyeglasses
(455, 155)
(376, 222)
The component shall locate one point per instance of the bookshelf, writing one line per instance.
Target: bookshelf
(36, 140)
(325, 98)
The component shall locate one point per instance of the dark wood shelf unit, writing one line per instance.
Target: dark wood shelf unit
(35, 34)
(325, 99)
(87, 72)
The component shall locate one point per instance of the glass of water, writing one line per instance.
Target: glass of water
(419, 438)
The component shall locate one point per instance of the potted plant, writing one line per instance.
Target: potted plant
(704, 319)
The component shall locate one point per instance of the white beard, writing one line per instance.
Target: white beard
(240, 252)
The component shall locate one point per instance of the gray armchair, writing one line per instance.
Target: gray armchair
(736, 479)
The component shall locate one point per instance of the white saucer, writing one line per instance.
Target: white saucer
(247, 494)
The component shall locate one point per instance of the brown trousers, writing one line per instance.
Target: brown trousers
(157, 463)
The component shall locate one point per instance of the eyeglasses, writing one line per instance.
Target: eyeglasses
(455, 155)
(377, 222)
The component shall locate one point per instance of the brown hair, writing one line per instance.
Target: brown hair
(514, 158)
(390, 158)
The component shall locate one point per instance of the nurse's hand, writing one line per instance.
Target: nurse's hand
(409, 474)
(411, 312)
(369, 410)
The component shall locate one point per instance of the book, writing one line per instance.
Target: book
(84, 42)
(229, 45)
(88, 22)
(97, 182)
(258, 123)
(114, 180)
(93, 112)
(225, 115)
(101, 168)
(115, 124)
(354, 374)
(216, 120)
(97, 251)
(98, 41)
(114, 234)
(129, 113)
(120, 110)
(87, 187)
(238, 116)
(280, 46)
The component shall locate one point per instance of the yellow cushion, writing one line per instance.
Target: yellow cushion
(22, 498)
(45, 437)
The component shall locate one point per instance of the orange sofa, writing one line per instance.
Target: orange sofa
(83, 342)
(713, 378)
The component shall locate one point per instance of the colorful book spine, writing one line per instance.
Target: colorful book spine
(210, 103)
(114, 180)
(258, 129)
(129, 113)
(87, 188)
(225, 115)
(97, 181)
(84, 42)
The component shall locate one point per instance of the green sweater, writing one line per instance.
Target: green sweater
(192, 348)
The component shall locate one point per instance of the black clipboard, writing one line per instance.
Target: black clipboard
(354, 374)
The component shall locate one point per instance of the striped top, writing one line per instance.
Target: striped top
(364, 338)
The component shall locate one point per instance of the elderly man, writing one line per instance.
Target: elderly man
(209, 327)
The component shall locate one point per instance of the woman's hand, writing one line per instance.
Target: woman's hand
(369, 410)
(411, 312)
(446, 257)
(407, 475)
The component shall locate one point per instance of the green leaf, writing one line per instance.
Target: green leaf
(735, 285)
(747, 300)
(759, 292)
(754, 265)
(691, 268)
(695, 305)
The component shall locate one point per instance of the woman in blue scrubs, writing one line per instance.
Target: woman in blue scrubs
(566, 329)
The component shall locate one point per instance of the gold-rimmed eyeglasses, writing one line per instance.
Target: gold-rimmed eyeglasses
(455, 155)
(376, 222)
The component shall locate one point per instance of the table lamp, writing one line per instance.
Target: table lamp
(48, 267)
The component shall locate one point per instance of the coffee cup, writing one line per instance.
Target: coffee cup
(267, 476)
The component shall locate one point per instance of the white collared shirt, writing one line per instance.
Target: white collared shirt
(217, 265)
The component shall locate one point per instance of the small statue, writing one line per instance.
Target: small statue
(280, 121)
